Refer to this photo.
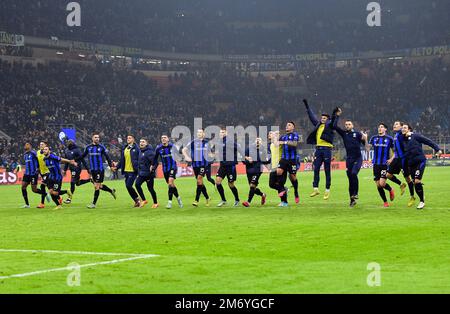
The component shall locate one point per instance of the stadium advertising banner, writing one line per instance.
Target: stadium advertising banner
(184, 170)
(315, 57)
(7, 39)
(105, 49)
(19, 40)
(430, 51)
(11, 178)
(8, 178)
(335, 165)
(68, 134)
(258, 58)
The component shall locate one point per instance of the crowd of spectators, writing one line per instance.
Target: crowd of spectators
(35, 101)
(378, 90)
(238, 27)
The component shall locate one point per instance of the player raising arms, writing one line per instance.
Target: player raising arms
(43, 171)
(55, 177)
(164, 151)
(129, 164)
(353, 140)
(382, 145)
(146, 157)
(96, 154)
(399, 163)
(416, 158)
(288, 163)
(73, 152)
(198, 156)
(227, 167)
(322, 137)
(31, 174)
(254, 170)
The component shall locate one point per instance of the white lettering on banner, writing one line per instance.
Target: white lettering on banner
(430, 51)
(7, 39)
(7, 177)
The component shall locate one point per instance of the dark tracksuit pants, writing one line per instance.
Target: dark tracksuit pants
(322, 155)
(353, 168)
(130, 177)
(150, 180)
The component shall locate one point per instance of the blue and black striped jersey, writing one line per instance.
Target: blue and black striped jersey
(289, 152)
(167, 160)
(399, 145)
(229, 152)
(31, 163)
(53, 164)
(199, 152)
(381, 149)
(95, 154)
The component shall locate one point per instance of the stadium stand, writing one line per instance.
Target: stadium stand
(117, 101)
(219, 27)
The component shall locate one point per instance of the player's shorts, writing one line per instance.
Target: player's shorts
(253, 178)
(33, 180)
(418, 170)
(273, 177)
(172, 173)
(208, 170)
(75, 176)
(199, 171)
(380, 172)
(399, 165)
(288, 165)
(98, 176)
(44, 178)
(228, 171)
(141, 179)
(54, 185)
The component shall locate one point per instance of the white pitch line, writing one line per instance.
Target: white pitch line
(71, 268)
(75, 252)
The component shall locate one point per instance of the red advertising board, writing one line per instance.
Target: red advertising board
(9, 178)
(186, 171)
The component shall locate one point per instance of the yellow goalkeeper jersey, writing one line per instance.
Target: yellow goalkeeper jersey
(275, 152)
(42, 166)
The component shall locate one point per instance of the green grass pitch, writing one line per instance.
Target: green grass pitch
(316, 246)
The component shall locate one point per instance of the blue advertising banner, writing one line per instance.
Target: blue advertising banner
(67, 134)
